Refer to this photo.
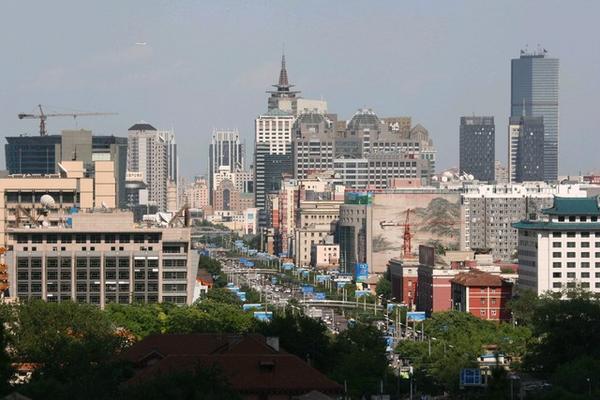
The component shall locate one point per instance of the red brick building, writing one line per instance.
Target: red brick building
(482, 294)
(404, 276)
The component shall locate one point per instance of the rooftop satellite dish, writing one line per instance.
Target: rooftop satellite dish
(47, 201)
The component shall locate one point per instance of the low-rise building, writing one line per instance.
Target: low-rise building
(100, 258)
(325, 255)
(482, 294)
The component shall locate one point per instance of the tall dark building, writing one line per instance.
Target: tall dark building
(42, 154)
(534, 93)
(477, 147)
(526, 149)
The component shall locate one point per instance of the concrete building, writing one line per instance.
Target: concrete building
(404, 277)
(316, 222)
(41, 155)
(364, 152)
(50, 199)
(534, 93)
(560, 250)
(477, 147)
(488, 212)
(101, 258)
(325, 256)
(225, 150)
(501, 172)
(526, 149)
(153, 153)
(482, 294)
(197, 194)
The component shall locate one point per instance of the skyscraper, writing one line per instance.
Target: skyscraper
(225, 150)
(477, 147)
(526, 149)
(154, 154)
(534, 92)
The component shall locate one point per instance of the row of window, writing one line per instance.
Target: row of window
(87, 238)
(574, 244)
(571, 285)
(572, 254)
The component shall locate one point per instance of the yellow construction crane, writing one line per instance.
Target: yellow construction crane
(42, 116)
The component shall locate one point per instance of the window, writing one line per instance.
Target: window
(556, 234)
(556, 254)
(561, 219)
(585, 234)
(571, 234)
(571, 254)
(585, 244)
(482, 312)
(585, 254)
(585, 264)
(482, 300)
(585, 275)
(585, 285)
(556, 285)
(556, 275)
(556, 264)
(571, 244)
(571, 275)
(493, 313)
(570, 265)
(556, 244)
(572, 218)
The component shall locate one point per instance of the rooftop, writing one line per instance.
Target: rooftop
(142, 126)
(574, 206)
(478, 278)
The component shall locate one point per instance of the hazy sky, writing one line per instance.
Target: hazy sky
(208, 64)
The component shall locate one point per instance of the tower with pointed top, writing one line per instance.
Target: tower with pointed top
(283, 97)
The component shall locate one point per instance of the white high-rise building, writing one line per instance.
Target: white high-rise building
(153, 153)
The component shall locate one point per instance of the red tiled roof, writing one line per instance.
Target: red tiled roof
(478, 278)
(248, 363)
(245, 374)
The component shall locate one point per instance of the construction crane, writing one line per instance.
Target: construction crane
(407, 236)
(42, 116)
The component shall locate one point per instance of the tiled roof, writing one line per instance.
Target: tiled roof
(477, 278)
(557, 226)
(249, 364)
(574, 206)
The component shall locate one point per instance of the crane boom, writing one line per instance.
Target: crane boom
(42, 116)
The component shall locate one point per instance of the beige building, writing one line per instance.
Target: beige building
(325, 256)
(316, 221)
(49, 199)
(197, 194)
(99, 258)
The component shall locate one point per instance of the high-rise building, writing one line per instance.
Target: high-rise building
(534, 93)
(477, 147)
(364, 152)
(154, 154)
(41, 155)
(526, 149)
(225, 150)
(273, 143)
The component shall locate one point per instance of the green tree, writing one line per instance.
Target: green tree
(523, 306)
(201, 384)
(139, 319)
(222, 295)
(384, 288)
(360, 360)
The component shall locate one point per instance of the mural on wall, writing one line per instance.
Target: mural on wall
(433, 220)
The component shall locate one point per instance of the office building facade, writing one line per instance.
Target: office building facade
(153, 153)
(526, 149)
(477, 147)
(225, 150)
(534, 93)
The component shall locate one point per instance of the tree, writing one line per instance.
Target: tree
(201, 384)
(6, 370)
(523, 306)
(139, 319)
(303, 336)
(360, 360)
(222, 295)
(384, 288)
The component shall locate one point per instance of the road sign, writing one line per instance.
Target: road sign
(361, 293)
(251, 306)
(361, 272)
(319, 296)
(308, 289)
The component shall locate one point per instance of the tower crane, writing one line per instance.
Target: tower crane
(42, 116)
(407, 236)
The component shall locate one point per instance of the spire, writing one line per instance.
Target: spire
(283, 78)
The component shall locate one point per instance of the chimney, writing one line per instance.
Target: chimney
(273, 342)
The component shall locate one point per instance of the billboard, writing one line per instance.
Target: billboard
(361, 272)
(358, 198)
(361, 293)
(415, 316)
(434, 220)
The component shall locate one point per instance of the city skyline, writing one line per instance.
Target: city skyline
(433, 77)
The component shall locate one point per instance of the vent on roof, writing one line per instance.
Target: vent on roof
(266, 366)
(273, 342)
